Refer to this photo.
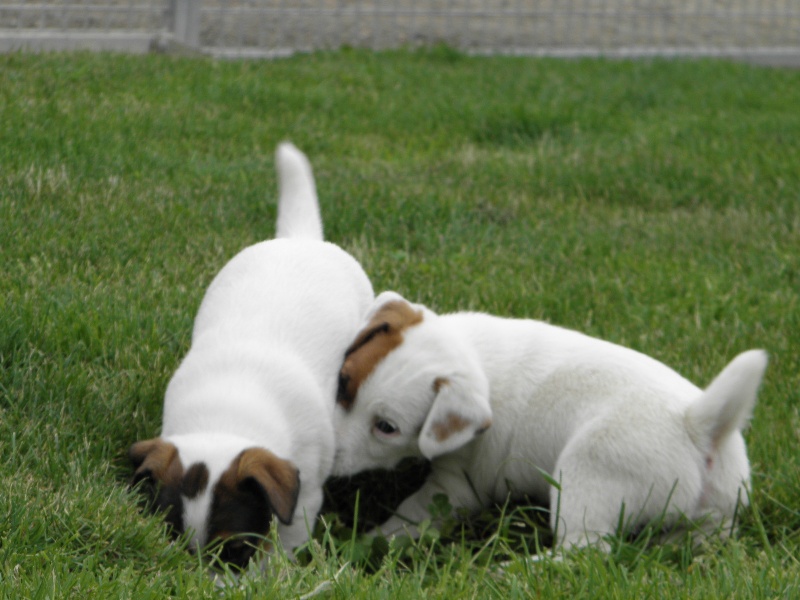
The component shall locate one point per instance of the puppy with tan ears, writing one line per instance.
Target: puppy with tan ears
(504, 407)
(248, 416)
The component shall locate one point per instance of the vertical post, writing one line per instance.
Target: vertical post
(186, 21)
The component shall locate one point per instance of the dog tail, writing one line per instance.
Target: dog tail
(727, 404)
(298, 207)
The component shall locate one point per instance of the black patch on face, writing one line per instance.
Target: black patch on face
(240, 518)
(195, 480)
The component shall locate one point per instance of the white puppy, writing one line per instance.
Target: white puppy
(248, 416)
(616, 429)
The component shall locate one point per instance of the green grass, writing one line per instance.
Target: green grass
(655, 204)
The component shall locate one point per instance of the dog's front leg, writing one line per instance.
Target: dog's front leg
(452, 482)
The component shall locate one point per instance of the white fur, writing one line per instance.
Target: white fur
(614, 427)
(266, 346)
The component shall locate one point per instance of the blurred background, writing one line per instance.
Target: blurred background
(765, 31)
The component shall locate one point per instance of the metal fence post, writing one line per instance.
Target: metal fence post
(186, 21)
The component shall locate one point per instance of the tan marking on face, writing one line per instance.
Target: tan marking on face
(452, 424)
(383, 334)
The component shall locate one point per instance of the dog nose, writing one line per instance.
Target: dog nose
(237, 553)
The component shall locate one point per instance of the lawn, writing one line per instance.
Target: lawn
(652, 203)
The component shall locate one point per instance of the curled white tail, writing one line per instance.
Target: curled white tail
(298, 207)
(727, 404)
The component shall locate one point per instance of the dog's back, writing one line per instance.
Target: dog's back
(291, 295)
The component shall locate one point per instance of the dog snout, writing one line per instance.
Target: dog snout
(235, 552)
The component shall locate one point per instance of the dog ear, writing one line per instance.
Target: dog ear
(460, 411)
(381, 300)
(388, 318)
(155, 460)
(276, 479)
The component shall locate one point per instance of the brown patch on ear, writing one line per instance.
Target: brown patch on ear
(158, 465)
(279, 479)
(255, 477)
(382, 334)
(156, 459)
(451, 424)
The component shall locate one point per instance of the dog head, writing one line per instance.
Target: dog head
(228, 499)
(410, 386)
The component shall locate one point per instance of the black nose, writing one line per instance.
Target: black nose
(237, 552)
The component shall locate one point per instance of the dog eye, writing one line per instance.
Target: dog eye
(385, 428)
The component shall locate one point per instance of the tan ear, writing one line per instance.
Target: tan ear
(460, 411)
(382, 334)
(277, 479)
(155, 459)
